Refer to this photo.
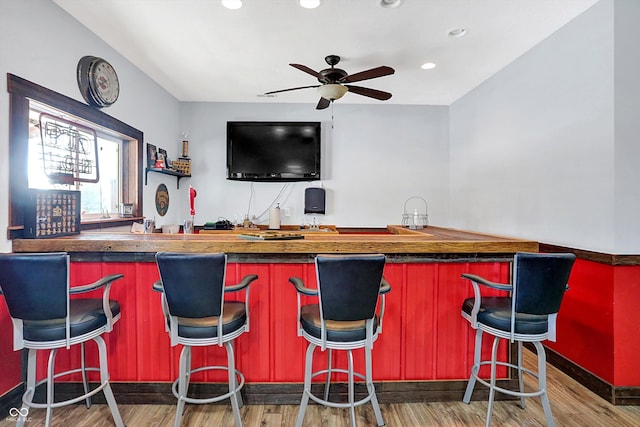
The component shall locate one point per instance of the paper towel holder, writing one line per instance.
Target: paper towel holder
(274, 218)
(314, 200)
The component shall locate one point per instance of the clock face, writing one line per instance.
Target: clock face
(98, 81)
(103, 81)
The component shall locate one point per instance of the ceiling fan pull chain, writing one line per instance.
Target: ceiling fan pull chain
(332, 115)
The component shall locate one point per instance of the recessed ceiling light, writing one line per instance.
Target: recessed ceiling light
(390, 3)
(232, 4)
(428, 66)
(457, 32)
(309, 4)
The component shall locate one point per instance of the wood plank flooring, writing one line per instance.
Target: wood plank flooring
(572, 405)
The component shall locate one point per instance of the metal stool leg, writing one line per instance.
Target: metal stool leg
(50, 373)
(328, 381)
(183, 382)
(520, 376)
(542, 383)
(476, 363)
(233, 377)
(308, 367)
(104, 379)
(235, 399)
(352, 408)
(27, 397)
(85, 383)
(371, 388)
(492, 388)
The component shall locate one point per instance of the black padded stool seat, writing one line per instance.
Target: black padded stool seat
(234, 317)
(85, 315)
(337, 330)
(495, 312)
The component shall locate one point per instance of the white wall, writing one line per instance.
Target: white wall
(42, 43)
(533, 148)
(374, 157)
(627, 126)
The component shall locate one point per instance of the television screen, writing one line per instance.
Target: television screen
(273, 151)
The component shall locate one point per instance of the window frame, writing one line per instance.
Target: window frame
(20, 92)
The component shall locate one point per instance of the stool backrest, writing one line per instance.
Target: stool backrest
(348, 285)
(35, 286)
(193, 283)
(540, 281)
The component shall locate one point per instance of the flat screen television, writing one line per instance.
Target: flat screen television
(273, 151)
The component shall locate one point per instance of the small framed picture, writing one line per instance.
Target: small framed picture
(152, 155)
(162, 154)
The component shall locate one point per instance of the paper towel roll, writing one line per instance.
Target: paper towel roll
(274, 218)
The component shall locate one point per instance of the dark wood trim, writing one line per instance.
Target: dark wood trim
(599, 257)
(138, 393)
(22, 87)
(284, 393)
(610, 393)
(11, 399)
(626, 396)
(279, 258)
(18, 176)
(107, 223)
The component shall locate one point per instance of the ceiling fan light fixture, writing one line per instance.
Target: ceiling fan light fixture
(309, 4)
(232, 4)
(390, 3)
(332, 91)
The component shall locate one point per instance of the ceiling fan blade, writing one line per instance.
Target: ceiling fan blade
(323, 103)
(368, 74)
(287, 90)
(307, 70)
(371, 93)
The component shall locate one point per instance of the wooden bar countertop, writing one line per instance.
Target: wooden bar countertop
(394, 239)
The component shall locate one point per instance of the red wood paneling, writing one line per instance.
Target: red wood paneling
(9, 374)
(253, 347)
(585, 321)
(424, 337)
(626, 324)
(287, 348)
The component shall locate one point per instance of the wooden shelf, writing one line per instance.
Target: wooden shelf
(177, 174)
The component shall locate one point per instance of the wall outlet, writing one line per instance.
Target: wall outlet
(286, 212)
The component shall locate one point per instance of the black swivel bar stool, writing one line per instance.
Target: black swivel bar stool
(351, 299)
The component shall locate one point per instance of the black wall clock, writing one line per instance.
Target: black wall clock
(97, 81)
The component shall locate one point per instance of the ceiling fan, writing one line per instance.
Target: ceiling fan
(333, 82)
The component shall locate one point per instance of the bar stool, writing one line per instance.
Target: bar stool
(528, 314)
(36, 290)
(196, 314)
(351, 299)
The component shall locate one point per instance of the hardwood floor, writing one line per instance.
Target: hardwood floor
(572, 405)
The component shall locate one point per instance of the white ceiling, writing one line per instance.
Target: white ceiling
(200, 51)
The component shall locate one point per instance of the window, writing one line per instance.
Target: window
(117, 179)
(101, 199)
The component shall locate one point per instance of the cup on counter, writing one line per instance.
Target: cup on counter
(187, 228)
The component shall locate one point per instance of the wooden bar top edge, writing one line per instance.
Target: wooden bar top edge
(395, 240)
